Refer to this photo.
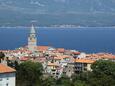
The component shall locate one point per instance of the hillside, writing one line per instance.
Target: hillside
(51, 12)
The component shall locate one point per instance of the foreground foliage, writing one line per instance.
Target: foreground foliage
(103, 74)
(29, 74)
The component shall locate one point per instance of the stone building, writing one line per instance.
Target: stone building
(32, 40)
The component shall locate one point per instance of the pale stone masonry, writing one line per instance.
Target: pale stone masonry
(32, 40)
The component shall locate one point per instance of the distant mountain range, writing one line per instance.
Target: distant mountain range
(57, 12)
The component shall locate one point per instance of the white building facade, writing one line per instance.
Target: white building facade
(7, 76)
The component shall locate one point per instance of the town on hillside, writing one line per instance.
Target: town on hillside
(55, 61)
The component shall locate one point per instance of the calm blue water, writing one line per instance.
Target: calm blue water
(88, 40)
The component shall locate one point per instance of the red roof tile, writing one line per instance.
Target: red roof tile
(6, 69)
(24, 58)
(61, 50)
(52, 64)
(84, 61)
(43, 48)
(76, 53)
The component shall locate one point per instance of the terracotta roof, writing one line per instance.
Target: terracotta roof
(41, 59)
(101, 56)
(58, 58)
(6, 69)
(76, 53)
(84, 61)
(24, 58)
(52, 64)
(12, 58)
(61, 50)
(43, 48)
(61, 57)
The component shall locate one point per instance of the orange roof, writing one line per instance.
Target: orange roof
(12, 58)
(84, 61)
(101, 56)
(58, 58)
(65, 56)
(61, 57)
(52, 64)
(61, 50)
(24, 58)
(76, 53)
(6, 69)
(43, 48)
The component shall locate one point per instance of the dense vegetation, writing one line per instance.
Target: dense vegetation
(103, 74)
(29, 74)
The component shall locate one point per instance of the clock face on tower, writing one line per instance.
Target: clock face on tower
(32, 39)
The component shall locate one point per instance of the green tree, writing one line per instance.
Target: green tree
(103, 80)
(103, 73)
(81, 79)
(102, 67)
(50, 81)
(2, 55)
(13, 64)
(80, 83)
(64, 81)
(29, 74)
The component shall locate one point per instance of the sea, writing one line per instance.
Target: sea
(84, 39)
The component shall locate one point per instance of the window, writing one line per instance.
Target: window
(53, 73)
(0, 79)
(64, 72)
(85, 69)
(57, 73)
(7, 78)
(85, 64)
(7, 84)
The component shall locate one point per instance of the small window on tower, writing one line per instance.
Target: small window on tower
(7, 84)
(30, 38)
(0, 79)
(7, 78)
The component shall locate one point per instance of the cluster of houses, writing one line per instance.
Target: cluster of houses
(55, 61)
(58, 61)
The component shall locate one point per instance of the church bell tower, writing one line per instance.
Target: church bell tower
(32, 40)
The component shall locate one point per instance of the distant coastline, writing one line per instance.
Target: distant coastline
(6, 27)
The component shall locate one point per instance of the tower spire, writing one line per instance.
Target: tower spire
(32, 40)
(32, 29)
